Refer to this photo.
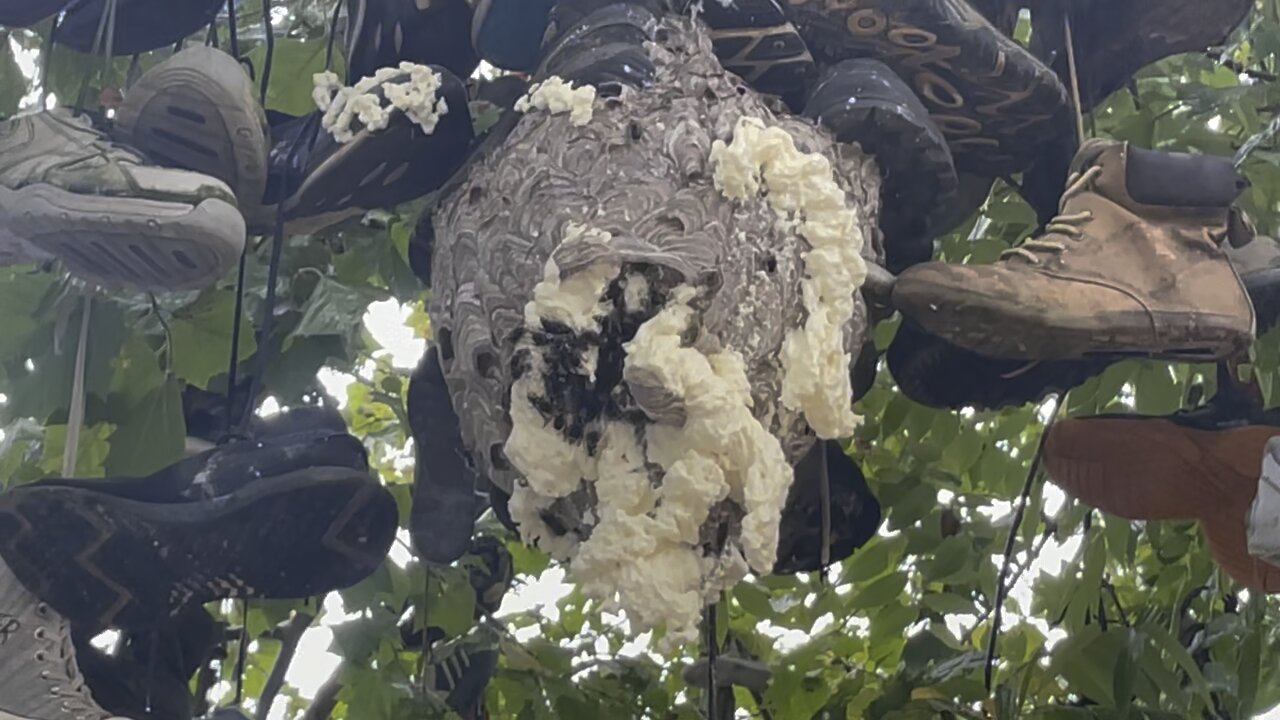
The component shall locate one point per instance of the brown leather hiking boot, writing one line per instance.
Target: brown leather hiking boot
(1131, 265)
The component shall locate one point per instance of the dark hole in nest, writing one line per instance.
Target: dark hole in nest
(475, 194)
(769, 263)
(634, 130)
(487, 365)
(444, 338)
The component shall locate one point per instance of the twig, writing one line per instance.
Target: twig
(1002, 588)
(291, 635)
(326, 697)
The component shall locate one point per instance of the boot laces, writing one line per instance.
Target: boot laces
(58, 657)
(1070, 226)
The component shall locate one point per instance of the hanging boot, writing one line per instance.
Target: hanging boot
(1131, 265)
(40, 678)
(445, 503)
(140, 25)
(509, 33)
(854, 511)
(108, 214)
(25, 13)
(936, 373)
(1199, 465)
(198, 110)
(995, 102)
(863, 101)
(292, 516)
(756, 40)
(385, 33)
(598, 42)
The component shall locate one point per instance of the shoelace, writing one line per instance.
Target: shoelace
(69, 686)
(1069, 226)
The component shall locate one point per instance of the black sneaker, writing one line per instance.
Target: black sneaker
(855, 512)
(594, 45)
(995, 102)
(140, 25)
(445, 503)
(351, 169)
(756, 40)
(291, 516)
(864, 101)
(385, 33)
(25, 13)
(508, 33)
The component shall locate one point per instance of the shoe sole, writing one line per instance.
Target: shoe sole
(120, 242)
(198, 111)
(995, 102)
(756, 40)
(863, 101)
(966, 320)
(104, 561)
(497, 22)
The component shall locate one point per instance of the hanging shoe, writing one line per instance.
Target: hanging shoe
(385, 33)
(854, 511)
(40, 677)
(936, 373)
(1131, 265)
(1192, 465)
(995, 102)
(140, 25)
(863, 101)
(508, 33)
(25, 13)
(756, 40)
(109, 215)
(290, 517)
(389, 139)
(593, 42)
(445, 503)
(199, 111)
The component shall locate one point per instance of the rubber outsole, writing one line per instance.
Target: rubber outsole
(198, 110)
(756, 40)
(995, 102)
(969, 320)
(128, 242)
(864, 101)
(103, 561)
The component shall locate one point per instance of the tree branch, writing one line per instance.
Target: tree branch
(326, 698)
(291, 635)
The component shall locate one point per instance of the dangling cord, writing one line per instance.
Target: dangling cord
(824, 496)
(242, 652)
(271, 51)
(233, 30)
(108, 18)
(75, 417)
(48, 60)
(333, 34)
(1075, 77)
(1002, 591)
(713, 659)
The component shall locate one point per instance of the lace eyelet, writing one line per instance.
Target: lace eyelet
(41, 656)
(40, 633)
(42, 610)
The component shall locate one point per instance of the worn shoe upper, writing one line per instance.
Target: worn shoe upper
(1132, 264)
(57, 148)
(39, 676)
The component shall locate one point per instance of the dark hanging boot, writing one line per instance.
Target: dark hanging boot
(863, 101)
(140, 25)
(854, 511)
(597, 42)
(509, 33)
(292, 516)
(1132, 265)
(25, 13)
(385, 33)
(756, 40)
(995, 102)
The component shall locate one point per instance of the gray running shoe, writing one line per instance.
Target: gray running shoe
(107, 214)
(198, 110)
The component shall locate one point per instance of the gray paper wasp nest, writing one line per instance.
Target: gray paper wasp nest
(647, 308)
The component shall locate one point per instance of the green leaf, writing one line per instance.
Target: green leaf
(91, 452)
(201, 337)
(151, 434)
(880, 592)
(293, 64)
